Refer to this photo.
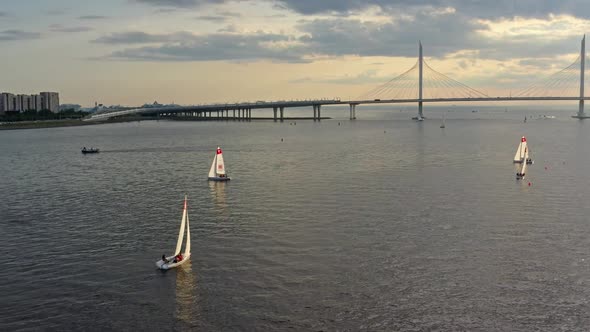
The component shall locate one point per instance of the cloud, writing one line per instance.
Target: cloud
(342, 36)
(55, 11)
(139, 37)
(229, 14)
(179, 3)
(369, 76)
(14, 35)
(61, 28)
(92, 17)
(211, 18)
(480, 9)
(184, 46)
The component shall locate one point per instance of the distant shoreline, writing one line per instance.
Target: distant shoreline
(77, 122)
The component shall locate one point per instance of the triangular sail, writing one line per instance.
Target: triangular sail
(181, 232)
(187, 248)
(212, 169)
(220, 168)
(520, 152)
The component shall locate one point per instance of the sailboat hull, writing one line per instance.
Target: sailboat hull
(167, 266)
(218, 179)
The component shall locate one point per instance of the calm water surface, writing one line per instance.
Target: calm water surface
(380, 224)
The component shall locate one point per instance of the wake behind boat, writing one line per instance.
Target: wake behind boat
(217, 170)
(169, 262)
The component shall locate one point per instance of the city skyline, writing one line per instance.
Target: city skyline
(199, 51)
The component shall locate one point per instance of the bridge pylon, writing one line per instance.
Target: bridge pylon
(420, 70)
(581, 114)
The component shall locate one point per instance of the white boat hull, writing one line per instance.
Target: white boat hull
(167, 266)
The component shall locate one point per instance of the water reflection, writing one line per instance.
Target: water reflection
(186, 290)
(217, 190)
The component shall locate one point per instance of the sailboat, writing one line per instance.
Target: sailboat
(172, 261)
(217, 170)
(521, 151)
(522, 172)
(442, 125)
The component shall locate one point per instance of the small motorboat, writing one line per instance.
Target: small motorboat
(91, 150)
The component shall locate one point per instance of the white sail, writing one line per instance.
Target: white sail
(187, 247)
(181, 232)
(212, 169)
(220, 170)
(520, 152)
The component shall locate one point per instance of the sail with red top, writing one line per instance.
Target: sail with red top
(521, 151)
(217, 170)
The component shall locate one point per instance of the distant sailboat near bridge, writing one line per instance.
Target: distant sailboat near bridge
(419, 84)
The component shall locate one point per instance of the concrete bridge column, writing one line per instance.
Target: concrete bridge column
(281, 110)
(319, 112)
(250, 114)
(352, 111)
(274, 111)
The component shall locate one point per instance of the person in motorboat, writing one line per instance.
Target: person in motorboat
(84, 149)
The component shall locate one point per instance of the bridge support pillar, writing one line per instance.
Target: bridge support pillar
(250, 114)
(420, 114)
(315, 112)
(319, 112)
(281, 109)
(274, 112)
(352, 111)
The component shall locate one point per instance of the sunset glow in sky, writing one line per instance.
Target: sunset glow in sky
(199, 51)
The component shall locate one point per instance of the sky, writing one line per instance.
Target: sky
(131, 52)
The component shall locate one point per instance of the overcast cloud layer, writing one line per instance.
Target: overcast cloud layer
(370, 39)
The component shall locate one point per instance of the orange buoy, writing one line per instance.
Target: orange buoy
(529, 184)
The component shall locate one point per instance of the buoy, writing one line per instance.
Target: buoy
(545, 167)
(281, 139)
(529, 184)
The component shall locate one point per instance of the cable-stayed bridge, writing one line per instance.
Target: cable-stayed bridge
(420, 84)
